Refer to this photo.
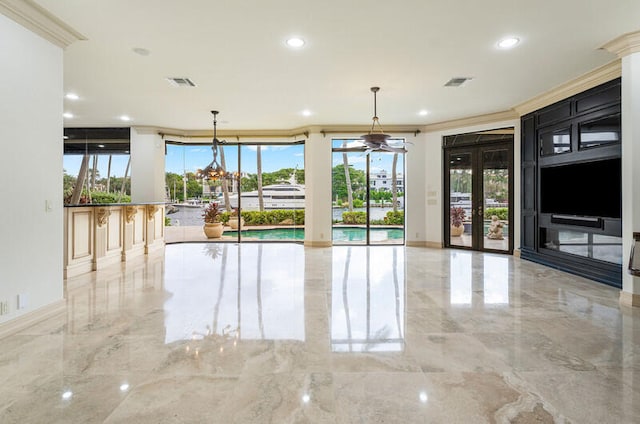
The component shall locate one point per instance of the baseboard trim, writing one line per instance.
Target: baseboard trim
(311, 243)
(31, 318)
(433, 244)
(516, 253)
(416, 244)
(629, 299)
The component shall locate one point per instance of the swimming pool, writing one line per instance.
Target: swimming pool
(341, 234)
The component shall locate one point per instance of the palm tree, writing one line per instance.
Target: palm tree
(124, 180)
(347, 177)
(225, 188)
(259, 166)
(77, 190)
(394, 182)
(109, 174)
(94, 171)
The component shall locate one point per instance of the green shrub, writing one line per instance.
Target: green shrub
(272, 217)
(357, 203)
(354, 217)
(394, 218)
(167, 221)
(501, 213)
(101, 197)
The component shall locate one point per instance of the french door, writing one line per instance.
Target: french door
(478, 199)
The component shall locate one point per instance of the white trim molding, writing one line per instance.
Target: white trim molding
(39, 20)
(606, 73)
(624, 45)
(629, 299)
(31, 318)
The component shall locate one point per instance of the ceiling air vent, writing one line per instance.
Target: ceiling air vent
(457, 82)
(181, 82)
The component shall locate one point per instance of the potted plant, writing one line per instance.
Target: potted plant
(234, 218)
(212, 225)
(457, 215)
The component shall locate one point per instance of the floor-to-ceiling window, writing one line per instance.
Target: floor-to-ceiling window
(367, 194)
(261, 199)
(96, 165)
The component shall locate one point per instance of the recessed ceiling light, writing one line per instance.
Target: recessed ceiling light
(295, 42)
(125, 118)
(67, 395)
(306, 112)
(101, 146)
(124, 387)
(423, 112)
(72, 96)
(509, 42)
(68, 115)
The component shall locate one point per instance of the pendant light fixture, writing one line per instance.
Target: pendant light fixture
(376, 139)
(214, 171)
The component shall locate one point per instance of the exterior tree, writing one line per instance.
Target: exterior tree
(225, 187)
(394, 182)
(82, 174)
(259, 169)
(339, 186)
(347, 177)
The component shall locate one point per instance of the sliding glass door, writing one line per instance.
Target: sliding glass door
(367, 194)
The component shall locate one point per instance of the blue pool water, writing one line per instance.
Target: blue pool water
(342, 234)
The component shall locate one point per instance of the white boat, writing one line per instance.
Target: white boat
(274, 196)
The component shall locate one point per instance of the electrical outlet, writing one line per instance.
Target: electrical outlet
(4, 307)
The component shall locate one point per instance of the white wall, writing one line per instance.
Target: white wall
(147, 167)
(434, 180)
(317, 169)
(31, 125)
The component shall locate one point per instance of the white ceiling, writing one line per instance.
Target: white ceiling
(234, 50)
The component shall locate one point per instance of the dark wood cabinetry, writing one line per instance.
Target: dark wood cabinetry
(571, 184)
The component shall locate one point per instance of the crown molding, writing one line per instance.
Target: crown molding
(624, 45)
(606, 73)
(472, 121)
(39, 20)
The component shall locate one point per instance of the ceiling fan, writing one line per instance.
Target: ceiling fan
(377, 140)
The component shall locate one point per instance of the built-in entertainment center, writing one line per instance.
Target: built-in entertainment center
(572, 184)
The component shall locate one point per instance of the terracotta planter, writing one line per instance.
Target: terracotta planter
(233, 222)
(213, 230)
(457, 231)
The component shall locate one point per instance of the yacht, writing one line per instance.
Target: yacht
(274, 196)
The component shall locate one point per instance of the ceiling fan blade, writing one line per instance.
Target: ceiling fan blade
(387, 148)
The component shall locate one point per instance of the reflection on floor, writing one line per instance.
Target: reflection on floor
(280, 333)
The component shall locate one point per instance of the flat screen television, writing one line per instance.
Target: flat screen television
(584, 189)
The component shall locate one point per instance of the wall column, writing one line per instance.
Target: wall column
(627, 47)
(147, 167)
(317, 180)
(417, 196)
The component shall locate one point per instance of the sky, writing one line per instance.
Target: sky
(189, 158)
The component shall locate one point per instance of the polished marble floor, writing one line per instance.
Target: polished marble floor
(279, 333)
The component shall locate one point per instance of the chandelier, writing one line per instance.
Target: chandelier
(214, 171)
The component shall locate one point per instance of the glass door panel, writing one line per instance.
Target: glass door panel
(479, 184)
(273, 192)
(495, 207)
(386, 191)
(349, 195)
(460, 199)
